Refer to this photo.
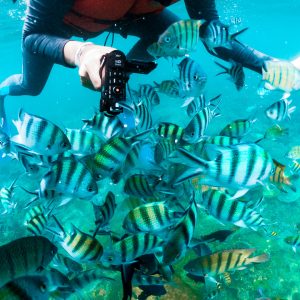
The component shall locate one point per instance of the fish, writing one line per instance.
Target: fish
(143, 279)
(238, 128)
(105, 126)
(226, 278)
(216, 35)
(179, 39)
(236, 73)
(180, 236)
(196, 104)
(192, 78)
(196, 128)
(150, 217)
(4, 142)
(81, 246)
(170, 131)
(221, 206)
(30, 168)
(105, 212)
(163, 149)
(24, 256)
(39, 135)
(142, 117)
(148, 95)
(140, 185)
(280, 75)
(112, 155)
(279, 178)
(295, 167)
(168, 87)
(274, 132)
(221, 140)
(239, 166)
(6, 197)
(36, 219)
(294, 153)
(130, 248)
(294, 241)
(224, 261)
(83, 142)
(70, 177)
(27, 287)
(280, 110)
(63, 261)
(82, 280)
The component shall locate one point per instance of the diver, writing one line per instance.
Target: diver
(49, 26)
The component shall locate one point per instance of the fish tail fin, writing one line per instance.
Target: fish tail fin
(290, 111)
(59, 230)
(226, 70)
(234, 35)
(258, 259)
(212, 102)
(141, 136)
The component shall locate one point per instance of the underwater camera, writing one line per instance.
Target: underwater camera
(117, 71)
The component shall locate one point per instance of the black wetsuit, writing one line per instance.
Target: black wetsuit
(45, 34)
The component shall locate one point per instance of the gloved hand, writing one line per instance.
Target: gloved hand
(87, 57)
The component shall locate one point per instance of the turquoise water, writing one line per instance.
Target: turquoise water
(273, 29)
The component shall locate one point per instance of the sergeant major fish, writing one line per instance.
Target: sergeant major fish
(280, 110)
(39, 135)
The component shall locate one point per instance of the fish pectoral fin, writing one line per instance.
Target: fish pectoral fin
(269, 86)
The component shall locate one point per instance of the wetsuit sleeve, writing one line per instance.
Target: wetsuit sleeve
(245, 55)
(44, 33)
(202, 9)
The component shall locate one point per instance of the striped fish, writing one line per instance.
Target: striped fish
(36, 219)
(192, 78)
(157, 51)
(81, 246)
(217, 35)
(69, 177)
(4, 143)
(280, 75)
(238, 167)
(180, 38)
(279, 178)
(105, 212)
(149, 217)
(24, 256)
(295, 167)
(64, 261)
(238, 128)
(294, 153)
(280, 110)
(196, 104)
(82, 280)
(168, 87)
(56, 279)
(170, 131)
(142, 117)
(163, 149)
(148, 95)
(6, 195)
(83, 142)
(236, 72)
(180, 237)
(142, 279)
(221, 206)
(224, 141)
(128, 249)
(140, 185)
(294, 241)
(223, 261)
(105, 126)
(39, 135)
(196, 128)
(112, 155)
(27, 287)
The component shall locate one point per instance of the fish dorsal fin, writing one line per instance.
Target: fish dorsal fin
(279, 165)
(214, 152)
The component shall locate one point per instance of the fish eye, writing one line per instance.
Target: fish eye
(63, 144)
(90, 188)
(167, 39)
(110, 258)
(43, 288)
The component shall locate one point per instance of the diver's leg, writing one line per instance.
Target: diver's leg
(36, 70)
(148, 30)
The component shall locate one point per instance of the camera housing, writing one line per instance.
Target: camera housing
(116, 74)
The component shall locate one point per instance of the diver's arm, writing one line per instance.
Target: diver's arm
(245, 55)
